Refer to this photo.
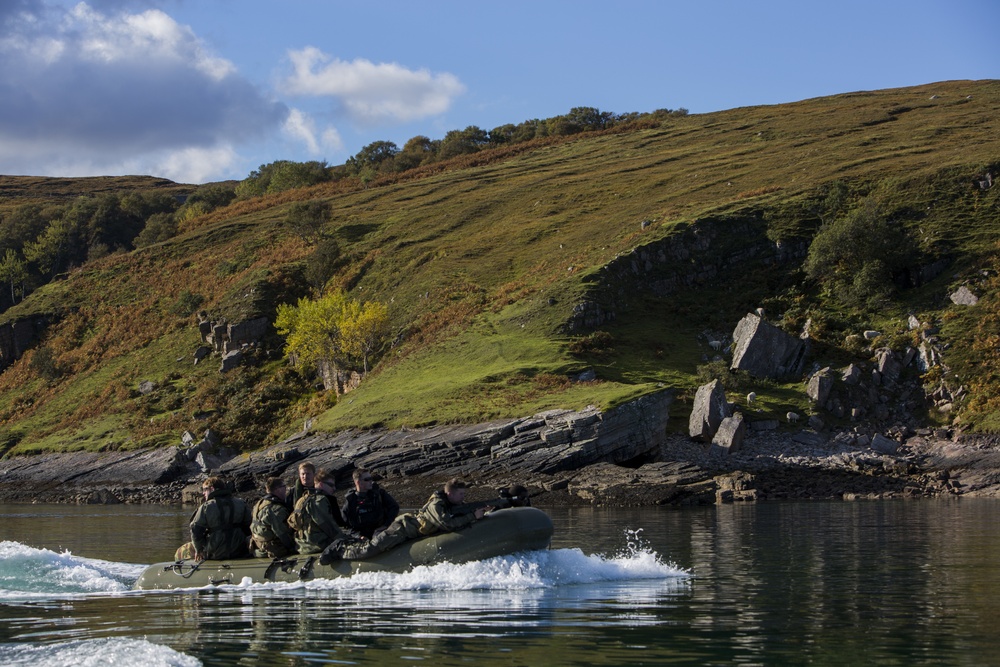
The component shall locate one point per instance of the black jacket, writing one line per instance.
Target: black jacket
(364, 512)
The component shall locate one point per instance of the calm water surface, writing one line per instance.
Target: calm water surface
(866, 583)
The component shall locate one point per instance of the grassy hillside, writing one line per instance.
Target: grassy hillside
(483, 262)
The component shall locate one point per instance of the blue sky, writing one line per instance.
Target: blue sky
(205, 90)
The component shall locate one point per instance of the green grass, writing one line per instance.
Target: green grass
(482, 267)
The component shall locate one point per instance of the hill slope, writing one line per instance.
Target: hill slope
(498, 271)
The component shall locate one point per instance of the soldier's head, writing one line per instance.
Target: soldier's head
(455, 490)
(212, 484)
(276, 487)
(326, 482)
(363, 480)
(307, 474)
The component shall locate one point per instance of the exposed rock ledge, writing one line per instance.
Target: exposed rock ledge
(622, 457)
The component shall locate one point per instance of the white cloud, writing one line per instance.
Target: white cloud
(87, 92)
(371, 93)
(302, 127)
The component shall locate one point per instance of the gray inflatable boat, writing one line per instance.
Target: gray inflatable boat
(499, 533)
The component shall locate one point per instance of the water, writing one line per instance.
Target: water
(887, 583)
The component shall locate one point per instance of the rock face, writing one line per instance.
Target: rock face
(710, 408)
(763, 350)
(557, 445)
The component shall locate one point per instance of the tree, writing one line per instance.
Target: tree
(312, 331)
(52, 250)
(590, 118)
(855, 256)
(461, 142)
(503, 134)
(416, 151)
(332, 331)
(372, 157)
(282, 175)
(322, 263)
(13, 270)
(364, 330)
(25, 223)
(159, 227)
(306, 219)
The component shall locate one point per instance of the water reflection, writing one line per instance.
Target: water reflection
(772, 583)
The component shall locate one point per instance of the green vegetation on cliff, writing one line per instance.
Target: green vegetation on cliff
(511, 272)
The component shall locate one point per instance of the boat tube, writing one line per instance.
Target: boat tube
(499, 533)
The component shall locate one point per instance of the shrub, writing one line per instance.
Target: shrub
(854, 257)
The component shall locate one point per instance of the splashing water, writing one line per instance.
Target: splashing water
(27, 573)
(30, 573)
(93, 652)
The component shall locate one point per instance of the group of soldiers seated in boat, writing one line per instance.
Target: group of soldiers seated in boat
(310, 521)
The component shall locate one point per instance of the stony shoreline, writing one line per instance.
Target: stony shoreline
(623, 457)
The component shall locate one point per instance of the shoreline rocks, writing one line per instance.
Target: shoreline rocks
(622, 457)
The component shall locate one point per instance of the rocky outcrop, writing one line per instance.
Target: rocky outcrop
(702, 252)
(230, 341)
(709, 409)
(765, 351)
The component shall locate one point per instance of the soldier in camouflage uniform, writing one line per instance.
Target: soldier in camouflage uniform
(314, 518)
(272, 536)
(220, 528)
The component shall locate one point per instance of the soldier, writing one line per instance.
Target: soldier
(307, 474)
(313, 519)
(442, 513)
(221, 526)
(272, 535)
(368, 508)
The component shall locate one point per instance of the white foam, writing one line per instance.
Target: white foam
(531, 570)
(94, 652)
(27, 573)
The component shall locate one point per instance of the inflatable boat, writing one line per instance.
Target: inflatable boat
(499, 533)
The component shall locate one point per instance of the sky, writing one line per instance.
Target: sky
(206, 90)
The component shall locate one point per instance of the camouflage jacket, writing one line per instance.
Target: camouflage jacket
(316, 524)
(220, 527)
(271, 532)
(438, 515)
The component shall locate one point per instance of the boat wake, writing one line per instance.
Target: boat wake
(28, 573)
(87, 652)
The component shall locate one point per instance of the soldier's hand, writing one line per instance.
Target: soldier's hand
(199, 557)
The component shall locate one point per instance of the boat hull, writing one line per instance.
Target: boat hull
(499, 533)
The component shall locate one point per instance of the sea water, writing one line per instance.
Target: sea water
(771, 583)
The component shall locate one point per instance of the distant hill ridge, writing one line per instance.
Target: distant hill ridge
(585, 271)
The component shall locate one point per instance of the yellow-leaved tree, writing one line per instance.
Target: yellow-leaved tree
(333, 333)
(364, 330)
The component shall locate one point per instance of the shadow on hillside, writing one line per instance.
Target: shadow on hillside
(354, 233)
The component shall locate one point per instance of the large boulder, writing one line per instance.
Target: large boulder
(729, 438)
(820, 385)
(710, 408)
(763, 350)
